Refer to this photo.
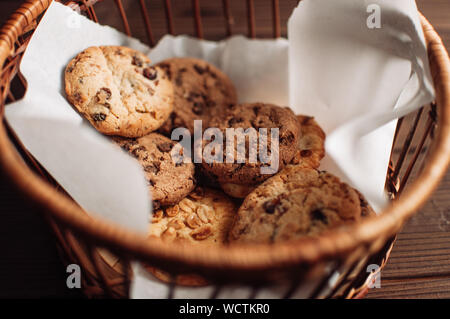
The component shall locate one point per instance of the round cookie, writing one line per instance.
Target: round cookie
(202, 218)
(117, 90)
(253, 116)
(168, 180)
(201, 91)
(311, 149)
(295, 203)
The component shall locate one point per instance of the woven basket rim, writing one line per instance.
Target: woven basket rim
(259, 256)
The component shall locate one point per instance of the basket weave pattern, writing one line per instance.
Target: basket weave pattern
(81, 237)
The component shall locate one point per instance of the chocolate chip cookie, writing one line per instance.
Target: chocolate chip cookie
(252, 162)
(311, 149)
(203, 217)
(201, 91)
(169, 180)
(295, 203)
(118, 91)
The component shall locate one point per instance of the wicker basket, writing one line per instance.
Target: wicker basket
(421, 149)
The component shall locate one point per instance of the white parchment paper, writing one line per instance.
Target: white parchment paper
(97, 174)
(356, 81)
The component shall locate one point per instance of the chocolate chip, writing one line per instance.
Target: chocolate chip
(234, 120)
(77, 97)
(69, 69)
(150, 73)
(288, 138)
(166, 68)
(151, 182)
(306, 120)
(102, 96)
(363, 202)
(271, 205)
(129, 144)
(153, 168)
(318, 215)
(192, 96)
(136, 151)
(199, 69)
(273, 116)
(165, 147)
(306, 153)
(99, 117)
(257, 124)
(136, 61)
(256, 110)
(179, 80)
(197, 108)
(108, 93)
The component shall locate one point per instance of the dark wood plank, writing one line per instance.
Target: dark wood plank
(419, 266)
(413, 288)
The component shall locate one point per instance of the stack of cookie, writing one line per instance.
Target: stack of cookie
(216, 202)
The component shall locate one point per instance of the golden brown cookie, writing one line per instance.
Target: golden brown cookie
(257, 118)
(169, 181)
(311, 149)
(295, 203)
(202, 218)
(201, 91)
(117, 90)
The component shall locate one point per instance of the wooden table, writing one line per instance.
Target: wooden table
(419, 266)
